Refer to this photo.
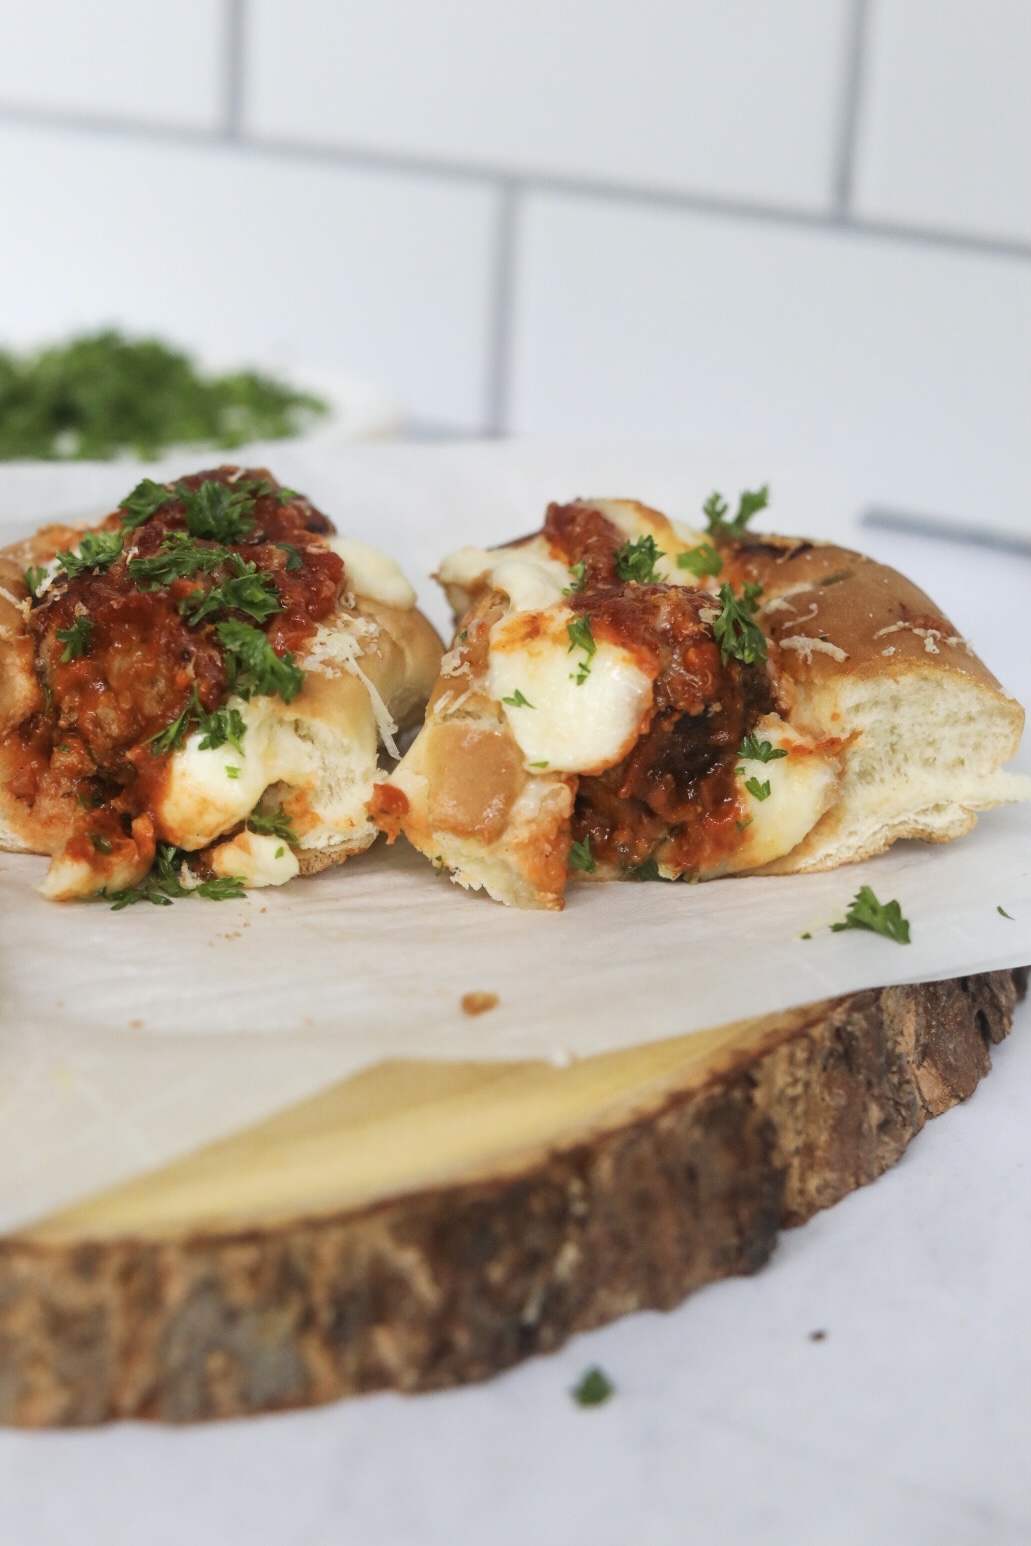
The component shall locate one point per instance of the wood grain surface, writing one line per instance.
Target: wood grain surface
(425, 1224)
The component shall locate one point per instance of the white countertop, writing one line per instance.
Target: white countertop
(908, 1422)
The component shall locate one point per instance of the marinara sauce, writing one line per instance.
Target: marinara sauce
(118, 658)
(676, 789)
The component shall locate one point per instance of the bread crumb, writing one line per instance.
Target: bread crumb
(479, 1003)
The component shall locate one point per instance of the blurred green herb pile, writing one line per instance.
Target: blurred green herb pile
(103, 395)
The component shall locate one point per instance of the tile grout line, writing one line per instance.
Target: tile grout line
(501, 311)
(523, 181)
(851, 108)
(235, 24)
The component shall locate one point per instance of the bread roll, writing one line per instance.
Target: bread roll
(627, 697)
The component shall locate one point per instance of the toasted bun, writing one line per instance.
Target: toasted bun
(862, 653)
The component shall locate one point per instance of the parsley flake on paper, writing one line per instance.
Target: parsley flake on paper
(866, 912)
(593, 1388)
(162, 885)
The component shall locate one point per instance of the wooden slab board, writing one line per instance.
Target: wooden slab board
(425, 1224)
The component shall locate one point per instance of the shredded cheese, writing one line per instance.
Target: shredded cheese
(806, 646)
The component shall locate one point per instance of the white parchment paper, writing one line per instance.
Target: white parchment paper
(129, 1038)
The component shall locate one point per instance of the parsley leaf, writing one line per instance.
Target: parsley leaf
(760, 751)
(222, 727)
(254, 666)
(174, 734)
(581, 638)
(517, 701)
(145, 500)
(649, 870)
(273, 824)
(34, 576)
(760, 791)
(293, 555)
(736, 633)
(701, 560)
(248, 591)
(581, 858)
(1005, 914)
(218, 511)
(578, 572)
(748, 505)
(177, 558)
(75, 639)
(884, 918)
(97, 550)
(162, 885)
(594, 1388)
(635, 561)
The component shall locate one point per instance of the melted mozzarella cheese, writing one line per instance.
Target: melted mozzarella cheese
(527, 575)
(573, 726)
(371, 573)
(802, 786)
(256, 859)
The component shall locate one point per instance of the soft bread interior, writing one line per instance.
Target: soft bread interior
(924, 752)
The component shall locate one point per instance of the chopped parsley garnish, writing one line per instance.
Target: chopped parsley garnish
(884, 918)
(581, 858)
(221, 512)
(1005, 914)
(174, 734)
(741, 825)
(101, 844)
(247, 591)
(737, 634)
(701, 560)
(283, 497)
(540, 764)
(578, 572)
(748, 505)
(517, 701)
(75, 639)
(222, 727)
(649, 870)
(145, 500)
(760, 751)
(253, 665)
(293, 555)
(162, 885)
(635, 561)
(760, 791)
(219, 728)
(273, 824)
(177, 558)
(34, 576)
(97, 550)
(581, 638)
(232, 772)
(594, 1388)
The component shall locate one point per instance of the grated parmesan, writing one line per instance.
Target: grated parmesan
(806, 646)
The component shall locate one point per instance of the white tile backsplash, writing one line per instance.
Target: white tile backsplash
(738, 99)
(269, 261)
(156, 61)
(945, 128)
(905, 368)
